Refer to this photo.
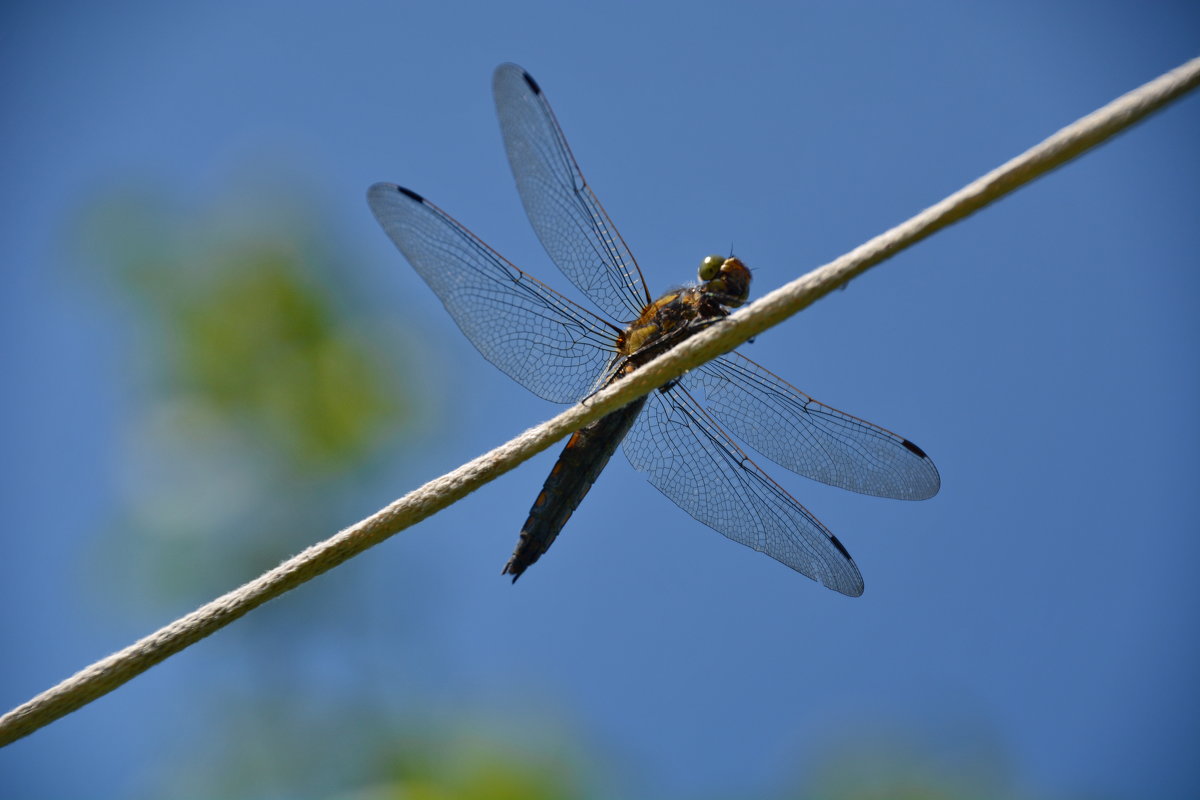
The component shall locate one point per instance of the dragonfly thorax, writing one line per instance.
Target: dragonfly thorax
(681, 313)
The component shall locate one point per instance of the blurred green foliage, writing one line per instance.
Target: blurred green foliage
(258, 325)
(272, 750)
(260, 383)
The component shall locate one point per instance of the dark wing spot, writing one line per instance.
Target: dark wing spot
(532, 83)
(914, 449)
(410, 193)
(840, 547)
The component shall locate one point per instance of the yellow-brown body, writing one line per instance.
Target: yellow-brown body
(662, 325)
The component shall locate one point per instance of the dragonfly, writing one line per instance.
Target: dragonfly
(682, 434)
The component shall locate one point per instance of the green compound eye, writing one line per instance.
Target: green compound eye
(710, 266)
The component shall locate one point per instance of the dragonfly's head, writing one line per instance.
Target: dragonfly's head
(728, 279)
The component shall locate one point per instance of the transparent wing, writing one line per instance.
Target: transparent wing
(542, 340)
(810, 438)
(566, 215)
(691, 460)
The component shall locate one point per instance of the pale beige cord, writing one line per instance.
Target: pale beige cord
(109, 673)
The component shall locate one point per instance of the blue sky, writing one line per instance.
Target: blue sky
(1043, 353)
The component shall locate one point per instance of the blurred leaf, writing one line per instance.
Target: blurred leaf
(260, 389)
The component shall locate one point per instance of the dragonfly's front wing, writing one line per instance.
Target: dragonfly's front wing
(694, 463)
(542, 340)
(567, 216)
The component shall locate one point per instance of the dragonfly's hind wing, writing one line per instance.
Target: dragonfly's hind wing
(694, 463)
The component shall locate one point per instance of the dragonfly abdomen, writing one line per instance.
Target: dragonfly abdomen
(580, 463)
